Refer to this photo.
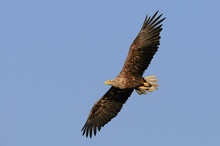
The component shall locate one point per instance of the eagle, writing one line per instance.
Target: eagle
(130, 78)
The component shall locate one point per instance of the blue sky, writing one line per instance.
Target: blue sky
(56, 55)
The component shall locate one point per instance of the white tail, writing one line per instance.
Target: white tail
(149, 86)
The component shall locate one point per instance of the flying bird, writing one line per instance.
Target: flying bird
(130, 78)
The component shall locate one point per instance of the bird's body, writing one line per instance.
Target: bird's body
(123, 81)
(130, 78)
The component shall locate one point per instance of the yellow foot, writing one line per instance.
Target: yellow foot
(144, 87)
(146, 84)
(149, 85)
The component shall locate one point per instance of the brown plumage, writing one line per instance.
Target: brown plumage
(139, 57)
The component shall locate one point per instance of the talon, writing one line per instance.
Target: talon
(149, 85)
(143, 88)
(146, 84)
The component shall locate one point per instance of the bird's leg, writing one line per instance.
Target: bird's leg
(149, 85)
(143, 87)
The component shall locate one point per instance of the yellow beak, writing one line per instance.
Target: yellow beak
(107, 82)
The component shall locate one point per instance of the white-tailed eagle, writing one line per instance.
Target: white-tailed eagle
(130, 78)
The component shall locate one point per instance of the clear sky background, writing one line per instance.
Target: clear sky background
(56, 54)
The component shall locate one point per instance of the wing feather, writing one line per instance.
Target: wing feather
(105, 109)
(144, 46)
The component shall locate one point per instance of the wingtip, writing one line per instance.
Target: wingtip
(90, 130)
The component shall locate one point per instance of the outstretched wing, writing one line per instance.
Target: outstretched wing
(105, 109)
(143, 47)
